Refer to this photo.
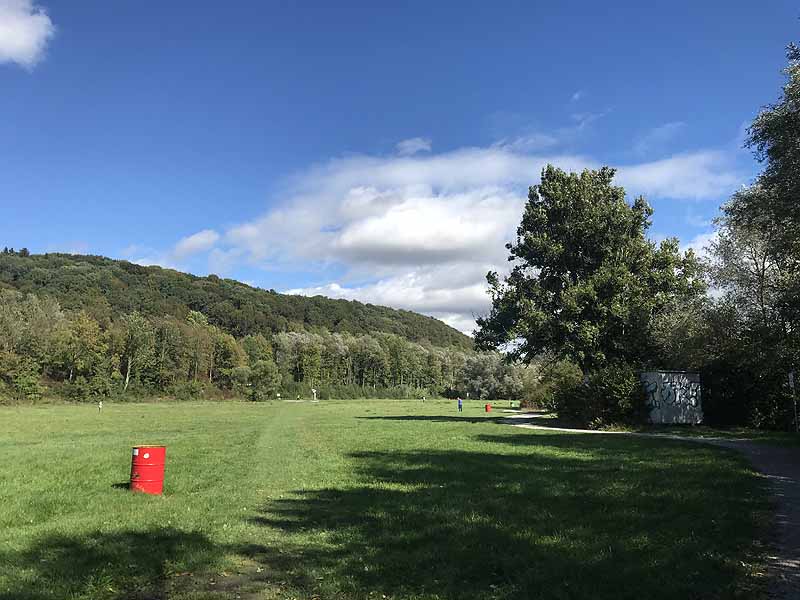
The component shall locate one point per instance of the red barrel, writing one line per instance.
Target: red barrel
(488, 408)
(147, 469)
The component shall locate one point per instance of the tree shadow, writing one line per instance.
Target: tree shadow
(542, 418)
(582, 518)
(437, 418)
(130, 565)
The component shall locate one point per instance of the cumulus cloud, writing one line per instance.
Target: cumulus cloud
(174, 258)
(691, 176)
(658, 137)
(25, 30)
(420, 232)
(443, 293)
(413, 146)
(195, 243)
(701, 243)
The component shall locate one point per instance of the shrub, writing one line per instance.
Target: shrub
(20, 376)
(264, 380)
(613, 394)
(541, 386)
(187, 390)
(240, 380)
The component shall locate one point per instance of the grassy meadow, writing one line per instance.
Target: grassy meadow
(365, 499)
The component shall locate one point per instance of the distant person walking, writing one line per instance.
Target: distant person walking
(460, 405)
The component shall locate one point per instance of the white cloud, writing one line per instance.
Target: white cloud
(658, 137)
(691, 176)
(577, 95)
(413, 146)
(701, 243)
(25, 30)
(195, 243)
(428, 291)
(531, 142)
(175, 258)
(431, 229)
(420, 232)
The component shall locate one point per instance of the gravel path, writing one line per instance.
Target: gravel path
(780, 465)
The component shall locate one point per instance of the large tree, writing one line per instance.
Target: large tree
(586, 282)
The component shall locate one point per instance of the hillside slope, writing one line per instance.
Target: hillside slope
(107, 288)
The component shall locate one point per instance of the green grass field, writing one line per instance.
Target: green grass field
(365, 499)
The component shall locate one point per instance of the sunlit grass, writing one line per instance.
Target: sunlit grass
(363, 499)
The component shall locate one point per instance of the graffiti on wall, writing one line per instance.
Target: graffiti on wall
(673, 396)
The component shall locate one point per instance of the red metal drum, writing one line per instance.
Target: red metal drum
(147, 469)
(488, 408)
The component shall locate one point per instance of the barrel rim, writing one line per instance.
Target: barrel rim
(150, 446)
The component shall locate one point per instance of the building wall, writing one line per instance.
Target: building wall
(673, 396)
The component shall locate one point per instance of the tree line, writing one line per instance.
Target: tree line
(46, 350)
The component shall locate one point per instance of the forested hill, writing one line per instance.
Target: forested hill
(107, 288)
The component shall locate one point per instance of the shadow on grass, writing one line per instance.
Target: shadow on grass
(579, 518)
(134, 565)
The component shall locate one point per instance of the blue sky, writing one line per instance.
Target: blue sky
(360, 150)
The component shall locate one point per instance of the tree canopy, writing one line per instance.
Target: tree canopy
(586, 282)
(104, 288)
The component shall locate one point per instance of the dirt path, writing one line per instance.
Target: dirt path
(780, 465)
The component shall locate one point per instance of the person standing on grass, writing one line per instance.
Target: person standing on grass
(460, 405)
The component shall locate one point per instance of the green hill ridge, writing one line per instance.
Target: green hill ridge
(106, 288)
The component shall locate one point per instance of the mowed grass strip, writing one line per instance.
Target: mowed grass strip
(365, 499)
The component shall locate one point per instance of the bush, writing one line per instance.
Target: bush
(750, 393)
(540, 386)
(612, 395)
(187, 390)
(264, 380)
(19, 376)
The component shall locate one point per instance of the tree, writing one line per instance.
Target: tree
(264, 380)
(82, 347)
(227, 355)
(257, 348)
(587, 282)
(137, 342)
(774, 137)
(200, 342)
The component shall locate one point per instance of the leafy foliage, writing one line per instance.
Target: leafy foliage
(587, 282)
(106, 288)
(76, 356)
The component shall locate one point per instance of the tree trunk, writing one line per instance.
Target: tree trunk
(127, 375)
